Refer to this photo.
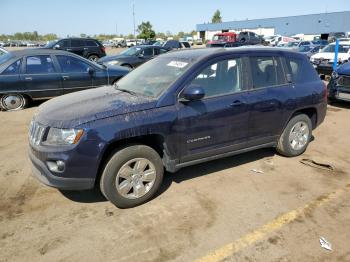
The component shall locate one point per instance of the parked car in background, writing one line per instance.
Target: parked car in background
(134, 56)
(310, 50)
(36, 74)
(89, 48)
(335, 35)
(339, 85)
(149, 42)
(134, 42)
(222, 39)
(323, 61)
(292, 45)
(198, 41)
(175, 44)
(320, 42)
(3, 51)
(177, 110)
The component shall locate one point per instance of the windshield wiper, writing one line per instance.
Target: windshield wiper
(126, 91)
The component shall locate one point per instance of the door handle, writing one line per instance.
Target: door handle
(65, 77)
(236, 103)
(28, 79)
(85, 48)
(68, 49)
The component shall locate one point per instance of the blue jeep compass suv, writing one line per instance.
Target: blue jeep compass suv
(179, 109)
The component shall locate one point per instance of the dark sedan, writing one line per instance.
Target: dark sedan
(134, 56)
(35, 74)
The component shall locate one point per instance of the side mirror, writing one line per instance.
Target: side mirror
(141, 56)
(289, 78)
(192, 93)
(56, 46)
(91, 71)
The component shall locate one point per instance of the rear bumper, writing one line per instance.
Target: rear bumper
(43, 174)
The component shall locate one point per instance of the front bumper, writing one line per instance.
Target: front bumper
(337, 92)
(44, 175)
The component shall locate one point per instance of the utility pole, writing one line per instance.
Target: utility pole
(133, 15)
(116, 29)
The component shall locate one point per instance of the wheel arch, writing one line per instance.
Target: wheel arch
(155, 141)
(311, 112)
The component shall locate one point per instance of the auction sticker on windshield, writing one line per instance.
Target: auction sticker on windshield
(178, 64)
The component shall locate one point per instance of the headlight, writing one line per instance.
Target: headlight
(334, 75)
(113, 62)
(58, 136)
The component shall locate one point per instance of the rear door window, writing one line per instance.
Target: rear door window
(90, 43)
(77, 43)
(41, 64)
(71, 64)
(266, 71)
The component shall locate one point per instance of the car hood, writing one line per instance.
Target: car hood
(344, 69)
(78, 108)
(330, 56)
(115, 70)
(112, 58)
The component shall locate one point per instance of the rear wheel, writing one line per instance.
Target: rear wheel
(132, 176)
(13, 102)
(296, 136)
(93, 58)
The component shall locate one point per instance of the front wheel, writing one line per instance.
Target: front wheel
(13, 102)
(132, 176)
(296, 136)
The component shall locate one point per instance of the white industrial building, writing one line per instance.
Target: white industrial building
(305, 25)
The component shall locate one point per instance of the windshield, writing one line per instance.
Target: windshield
(50, 44)
(4, 57)
(220, 38)
(131, 51)
(154, 77)
(331, 49)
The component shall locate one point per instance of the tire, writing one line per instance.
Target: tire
(93, 58)
(13, 102)
(296, 136)
(123, 181)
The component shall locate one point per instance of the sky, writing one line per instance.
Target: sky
(73, 17)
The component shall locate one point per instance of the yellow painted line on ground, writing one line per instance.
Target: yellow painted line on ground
(258, 234)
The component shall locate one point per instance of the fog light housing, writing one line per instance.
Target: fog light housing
(56, 166)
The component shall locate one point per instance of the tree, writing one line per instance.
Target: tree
(161, 35)
(145, 30)
(217, 17)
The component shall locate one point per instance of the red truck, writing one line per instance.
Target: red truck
(221, 39)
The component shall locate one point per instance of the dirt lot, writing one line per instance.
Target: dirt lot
(214, 211)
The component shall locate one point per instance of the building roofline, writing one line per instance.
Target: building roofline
(271, 18)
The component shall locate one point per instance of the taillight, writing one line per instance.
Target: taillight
(103, 49)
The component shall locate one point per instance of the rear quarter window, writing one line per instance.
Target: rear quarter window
(91, 43)
(301, 70)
